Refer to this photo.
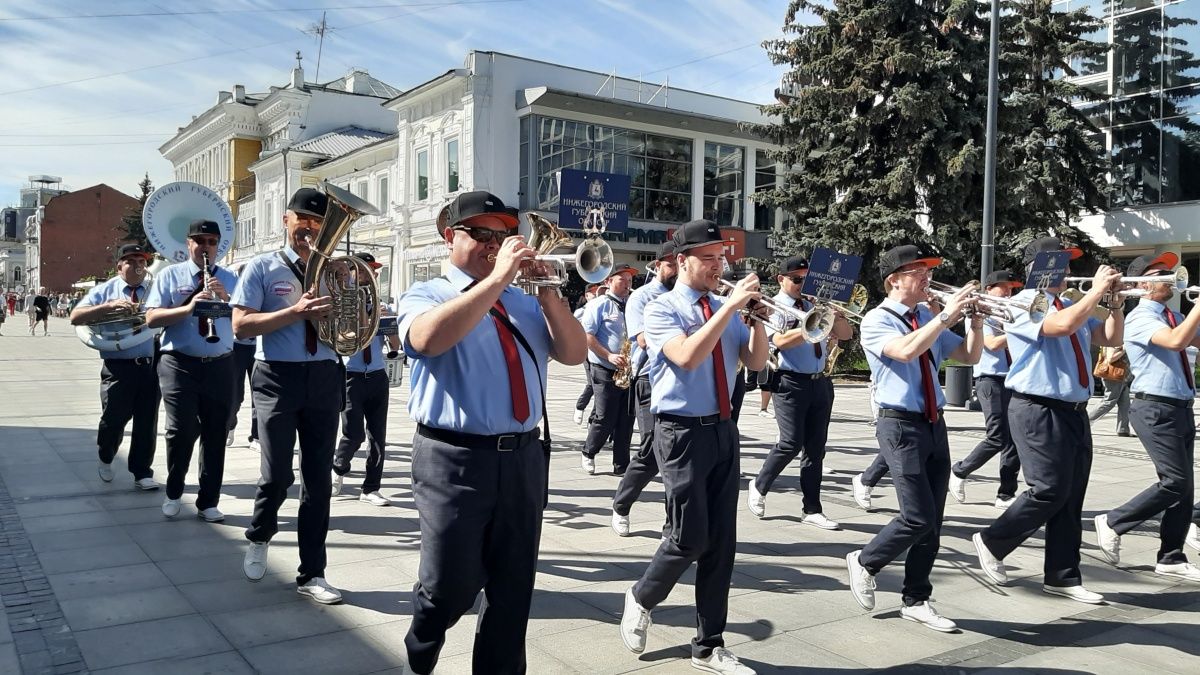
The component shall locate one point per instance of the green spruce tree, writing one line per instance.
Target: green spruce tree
(131, 223)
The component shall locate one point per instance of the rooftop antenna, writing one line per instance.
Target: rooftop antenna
(319, 29)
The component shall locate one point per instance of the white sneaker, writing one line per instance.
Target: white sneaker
(1186, 571)
(819, 520)
(1193, 537)
(721, 661)
(862, 493)
(106, 472)
(992, 566)
(766, 414)
(635, 621)
(757, 503)
(254, 565)
(229, 440)
(589, 465)
(170, 507)
(1003, 504)
(335, 485)
(211, 515)
(146, 484)
(374, 499)
(862, 582)
(958, 488)
(1075, 593)
(254, 445)
(318, 589)
(1107, 539)
(924, 613)
(620, 524)
(578, 417)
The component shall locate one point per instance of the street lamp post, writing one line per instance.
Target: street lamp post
(989, 163)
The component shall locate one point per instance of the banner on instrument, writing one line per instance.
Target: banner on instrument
(1049, 269)
(831, 275)
(582, 191)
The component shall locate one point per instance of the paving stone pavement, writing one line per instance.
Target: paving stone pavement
(93, 577)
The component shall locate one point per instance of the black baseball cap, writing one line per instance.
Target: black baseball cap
(369, 259)
(695, 233)
(133, 249)
(309, 201)
(1050, 244)
(906, 254)
(666, 251)
(477, 203)
(621, 268)
(735, 275)
(204, 227)
(1138, 267)
(1004, 277)
(794, 264)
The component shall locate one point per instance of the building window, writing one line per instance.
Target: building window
(244, 236)
(452, 165)
(764, 180)
(659, 167)
(422, 175)
(360, 188)
(425, 271)
(724, 183)
(17, 274)
(383, 194)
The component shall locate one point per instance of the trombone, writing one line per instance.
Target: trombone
(817, 322)
(991, 306)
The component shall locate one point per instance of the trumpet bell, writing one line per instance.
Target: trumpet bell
(594, 260)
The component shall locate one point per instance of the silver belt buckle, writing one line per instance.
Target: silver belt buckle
(709, 424)
(500, 442)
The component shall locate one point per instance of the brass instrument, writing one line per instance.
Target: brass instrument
(348, 280)
(119, 327)
(593, 258)
(990, 305)
(1178, 280)
(835, 350)
(817, 322)
(856, 307)
(209, 323)
(1074, 295)
(623, 377)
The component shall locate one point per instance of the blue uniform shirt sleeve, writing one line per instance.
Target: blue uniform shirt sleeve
(417, 300)
(249, 291)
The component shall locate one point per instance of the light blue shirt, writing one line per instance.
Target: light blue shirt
(691, 393)
(173, 287)
(991, 361)
(357, 364)
(801, 358)
(635, 316)
(1156, 370)
(604, 319)
(466, 388)
(1045, 366)
(116, 289)
(267, 284)
(898, 384)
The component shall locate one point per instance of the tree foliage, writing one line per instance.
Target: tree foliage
(131, 222)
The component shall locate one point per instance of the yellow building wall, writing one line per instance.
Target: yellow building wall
(242, 153)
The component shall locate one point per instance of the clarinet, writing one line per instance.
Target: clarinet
(209, 324)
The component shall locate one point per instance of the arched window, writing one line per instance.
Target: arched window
(17, 274)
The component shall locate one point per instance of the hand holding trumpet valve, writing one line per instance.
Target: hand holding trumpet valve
(745, 292)
(511, 257)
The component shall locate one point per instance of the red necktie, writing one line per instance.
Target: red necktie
(367, 354)
(1187, 372)
(1008, 357)
(133, 295)
(310, 337)
(516, 373)
(723, 401)
(816, 345)
(931, 412)
(1080, 364)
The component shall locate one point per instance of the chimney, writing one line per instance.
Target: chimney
(239, 93)
(358, 82)
(297, 77)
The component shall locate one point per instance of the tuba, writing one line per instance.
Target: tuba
(118, 328)
(350, 282)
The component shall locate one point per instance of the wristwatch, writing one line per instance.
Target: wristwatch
(944, 317)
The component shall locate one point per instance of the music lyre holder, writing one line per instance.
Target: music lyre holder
(212, 309)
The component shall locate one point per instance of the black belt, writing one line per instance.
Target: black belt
(139, 361)
(907, 415)
(802, 376)
(199, 359)
(993, 376)
(1052, 402)
(1155, 398)
(500, 443)
(690, 421)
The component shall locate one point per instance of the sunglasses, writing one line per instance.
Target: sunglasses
(797, 279)
(206, 241)
(484, 235)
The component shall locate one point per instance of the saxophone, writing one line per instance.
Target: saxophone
(835, 350)
(624, 375)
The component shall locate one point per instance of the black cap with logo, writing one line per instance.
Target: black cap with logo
(695, 233)
(1140, 264)
(204, 227)
(906, 254)
(1048, 244)
(666, 251)
(622, 268)
(794, 264)
(368, 258)
(478, 203)
(1002, 277)
(133, 249)
(309, 201)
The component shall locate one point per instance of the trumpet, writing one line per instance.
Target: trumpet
(992, 306)
(817, 322)
(1178, 281)
(593, 258)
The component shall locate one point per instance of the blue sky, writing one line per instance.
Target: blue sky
(91, 99)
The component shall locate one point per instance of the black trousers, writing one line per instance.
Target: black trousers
(196, 400)
(701, 469)
(129, 390)
(802, 409)
(737, 396)
(1055, 446)
(918, 457)
(1169, 435)
(612, 417)
(876, 470)
(585, 396)
(297, 400)
(643, 467)
(243, 367)
(994, 399)
(366, 400)
(481, 520)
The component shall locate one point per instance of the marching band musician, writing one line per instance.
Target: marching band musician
(128, 382)
(694, 342)
(298, 387)
(1164, 391)
(904, 343)
(604, 322)
(803, 400)
(367, 389)
(1051, 381)
(585, 396)
(993, 398)
(479, 469)
(194, 374)
(243, 366)
(643, 467)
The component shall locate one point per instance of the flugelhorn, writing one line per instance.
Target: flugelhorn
(817, 322)
(593, 257)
